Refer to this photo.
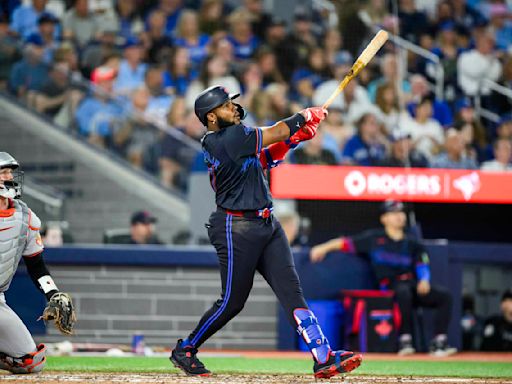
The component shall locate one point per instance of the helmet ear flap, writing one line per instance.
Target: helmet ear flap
(241, 111)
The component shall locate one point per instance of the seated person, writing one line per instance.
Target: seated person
(497, 335)
(142, 229)
(400, 263)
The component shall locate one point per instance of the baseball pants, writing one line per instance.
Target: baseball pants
(15, 339)
(244, 246)
(438, 298)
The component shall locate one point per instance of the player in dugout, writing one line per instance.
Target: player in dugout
(400, 263)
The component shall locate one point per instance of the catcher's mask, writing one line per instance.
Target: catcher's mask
(11, 188)
(211, 98)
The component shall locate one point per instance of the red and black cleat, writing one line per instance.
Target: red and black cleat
(184, 358)
(338, 362)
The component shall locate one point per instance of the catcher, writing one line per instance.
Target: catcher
(19, 237)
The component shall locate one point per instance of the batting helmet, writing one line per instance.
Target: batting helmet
(11, 188)
(210, 99)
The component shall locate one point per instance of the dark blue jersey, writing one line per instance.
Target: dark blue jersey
(236, 175)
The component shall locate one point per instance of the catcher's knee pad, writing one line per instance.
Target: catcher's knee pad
(30, 363)
(312, 334)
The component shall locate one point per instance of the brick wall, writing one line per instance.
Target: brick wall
(113, 303)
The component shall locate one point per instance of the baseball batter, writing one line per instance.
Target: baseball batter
(245, 234)
(19, 237)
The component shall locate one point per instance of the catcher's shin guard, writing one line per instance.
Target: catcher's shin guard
(312, 334)
(30, 363)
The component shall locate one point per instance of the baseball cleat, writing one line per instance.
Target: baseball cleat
(338, 362)
(185, 359)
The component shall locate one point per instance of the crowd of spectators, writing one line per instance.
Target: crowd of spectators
(113, 70)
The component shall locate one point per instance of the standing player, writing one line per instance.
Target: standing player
(19, 237)
(402, 264)
(245, 234)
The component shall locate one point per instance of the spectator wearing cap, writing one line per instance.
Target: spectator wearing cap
(24, 18)
(275, 33)
(420, 89)
(81, 25)
(367, 147)
(189, 36)
(448, 52)
(455, 155)
(479, 64)
(497, 330)
(427, 133)
(502, 157)
(402, 153)
(97, 113)
(241, 36)
(47, 24)
(131, 69)
(30, 72)
(294, 50)
(142, 229)
(401, 263)
(10, 51)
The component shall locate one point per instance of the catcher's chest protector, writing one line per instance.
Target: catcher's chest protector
(13, 239)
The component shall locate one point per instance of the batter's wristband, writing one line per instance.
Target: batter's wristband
(295, 123)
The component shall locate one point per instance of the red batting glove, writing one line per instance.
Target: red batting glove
(307, 132)
(314, 114)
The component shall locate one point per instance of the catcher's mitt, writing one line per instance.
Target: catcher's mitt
(60, 308)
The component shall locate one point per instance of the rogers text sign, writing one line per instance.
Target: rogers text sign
(375, 183)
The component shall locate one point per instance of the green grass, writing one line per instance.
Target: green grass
(281, 366)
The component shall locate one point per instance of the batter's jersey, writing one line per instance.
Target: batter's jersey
(19, 236)
(389, 258)
(236, 175)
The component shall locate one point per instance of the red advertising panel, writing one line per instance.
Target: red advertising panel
(320, 182)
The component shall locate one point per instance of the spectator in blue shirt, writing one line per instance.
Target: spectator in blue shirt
(179, 73)
(500, 24)
(241, 37)
(367, 146)
(455, 156)
(46, 29)
(30, 73)
(24, 18)
(131, 69)
(97, 114)
(188, 36)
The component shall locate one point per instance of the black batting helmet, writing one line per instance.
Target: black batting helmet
(210, 99)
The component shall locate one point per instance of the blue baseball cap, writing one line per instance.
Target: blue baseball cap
(132, 42)
(463, 103)
(36, 39)
(391, 206)
(343, 57)
(47, 17)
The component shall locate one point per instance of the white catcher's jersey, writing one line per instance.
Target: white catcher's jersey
(19, 236)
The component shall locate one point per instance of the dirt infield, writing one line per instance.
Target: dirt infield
(108, 378)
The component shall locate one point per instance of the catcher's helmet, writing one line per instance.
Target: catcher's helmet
(210, 99)
(11, 188)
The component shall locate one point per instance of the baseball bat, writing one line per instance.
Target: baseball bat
(364, 58)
